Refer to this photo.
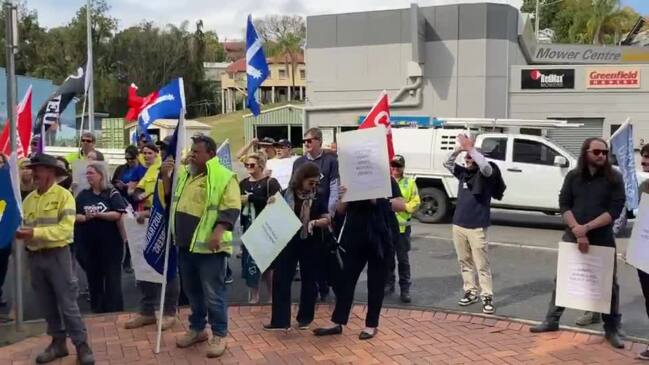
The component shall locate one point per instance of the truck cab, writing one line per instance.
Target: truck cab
(533, 168)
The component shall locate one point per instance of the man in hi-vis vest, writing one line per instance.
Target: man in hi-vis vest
(402, 247)
(207, 205)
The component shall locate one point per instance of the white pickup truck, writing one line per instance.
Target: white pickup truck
(533, 168)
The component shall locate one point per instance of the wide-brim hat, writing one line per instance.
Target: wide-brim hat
(46, 161)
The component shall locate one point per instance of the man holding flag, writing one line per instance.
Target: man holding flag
(207, 202)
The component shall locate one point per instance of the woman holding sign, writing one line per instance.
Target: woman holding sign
(255, 190)
(311, 209)
(368, 233)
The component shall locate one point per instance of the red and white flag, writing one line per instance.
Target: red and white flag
(24, 128)
(380, 114)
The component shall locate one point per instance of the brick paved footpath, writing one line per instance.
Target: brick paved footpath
(405, 337)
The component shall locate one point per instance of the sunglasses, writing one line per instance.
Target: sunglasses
(250, 165)
(87, 140)
(599, 152)
(309, 140)
(396, 166)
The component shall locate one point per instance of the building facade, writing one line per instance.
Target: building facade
(286, 82)
(473, 61)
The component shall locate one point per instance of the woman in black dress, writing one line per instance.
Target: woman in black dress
(368, 233)
(99, 208)
(311, 209)
(255, 191)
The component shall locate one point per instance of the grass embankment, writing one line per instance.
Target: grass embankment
(231, 126)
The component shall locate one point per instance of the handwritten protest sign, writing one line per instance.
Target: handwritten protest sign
(585, 281)
(270, 232)
(281, 169)
(637, 254)
(363, 164)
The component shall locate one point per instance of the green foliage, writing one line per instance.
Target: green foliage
(584, 21)
(146, 54)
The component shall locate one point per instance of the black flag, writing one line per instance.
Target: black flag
(50, 112)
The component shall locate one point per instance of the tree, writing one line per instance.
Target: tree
(548, 11)
(585, 21)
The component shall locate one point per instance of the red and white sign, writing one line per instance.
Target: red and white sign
(613, 78)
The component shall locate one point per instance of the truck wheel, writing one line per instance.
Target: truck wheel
(434, 206)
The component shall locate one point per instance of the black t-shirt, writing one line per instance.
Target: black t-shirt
(99, 230)
(259, 191)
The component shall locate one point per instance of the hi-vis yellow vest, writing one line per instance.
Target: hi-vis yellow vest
(411, 197)
(217, 180)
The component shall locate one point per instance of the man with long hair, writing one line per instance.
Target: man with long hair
(591, 197)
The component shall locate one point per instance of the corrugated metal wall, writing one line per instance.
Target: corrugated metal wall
(288, 115)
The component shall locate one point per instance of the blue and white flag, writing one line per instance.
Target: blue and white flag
(256, 65)
(225, 157)
(622, 146)
(158, 226)
(168, 102)
(9, 207)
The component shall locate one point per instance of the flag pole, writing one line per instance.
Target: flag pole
(179, 147)
(11, 35)
(89, 74)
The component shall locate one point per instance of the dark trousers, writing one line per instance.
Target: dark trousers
(104, 273)
(402, 250)
(56, 288)
(150, 299)
(354, 263)
(323, 272)
(305, 253)
(611, 321)
(4, 266)
(644, 283)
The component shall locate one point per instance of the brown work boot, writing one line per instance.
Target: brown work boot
(216, 346)
(57, 349)
(191, 338)
(168, 322)
(139, 321)
(84, 355)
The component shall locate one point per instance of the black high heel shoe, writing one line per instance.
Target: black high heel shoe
(336, 330)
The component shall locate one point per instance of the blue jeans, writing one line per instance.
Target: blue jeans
(203, 277)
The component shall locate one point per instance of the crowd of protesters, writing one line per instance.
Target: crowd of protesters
(335, 243)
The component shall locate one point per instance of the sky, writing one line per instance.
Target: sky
(227, 17)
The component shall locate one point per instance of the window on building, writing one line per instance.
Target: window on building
(533, 152)
(282, 74)
(614, 128)
(303, 74)
(495, 148)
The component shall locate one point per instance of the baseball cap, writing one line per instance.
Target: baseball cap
(283, 143)
(267, 140)
(398, 161)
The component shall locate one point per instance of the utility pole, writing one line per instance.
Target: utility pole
(11, 47)
(89, 71)
(537, 18)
